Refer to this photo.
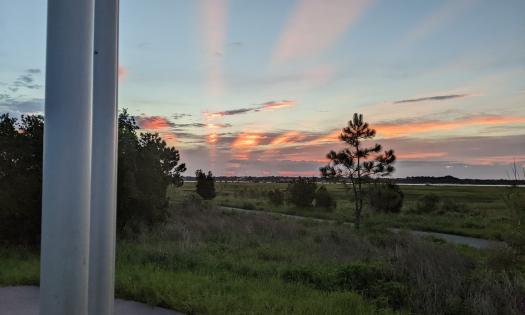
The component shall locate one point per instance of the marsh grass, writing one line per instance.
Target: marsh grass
(208, 261)
(464, 210)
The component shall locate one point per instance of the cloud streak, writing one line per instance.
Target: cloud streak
(213, 24)
(441, 16)
(414, 128)
(315, 26)
(261, 107)
(433, 98)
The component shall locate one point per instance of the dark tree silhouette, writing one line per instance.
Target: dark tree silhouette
(21, 144)
(205, 185)
(358, 163)
(146, 167)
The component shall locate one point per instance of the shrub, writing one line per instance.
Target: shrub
(205, 185)
(427, 203)
(276, 197)
(302, 192)
(449, 205)
(248, 205)
(385, 197)
(323, 199)
(192, 201)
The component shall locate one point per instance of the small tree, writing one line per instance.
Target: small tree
(302, 192)
(323, 199)
(357, 162)
(205, 185)
(276, 197)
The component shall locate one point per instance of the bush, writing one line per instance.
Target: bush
(276, 197)
(248, 205)
(192, 201)
(449, 205)
(205, 185)
(302, 192)
(385, 197)
(427, 203)
(323, 199)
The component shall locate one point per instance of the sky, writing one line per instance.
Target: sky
(264, 87)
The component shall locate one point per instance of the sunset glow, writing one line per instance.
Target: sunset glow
(253, 88)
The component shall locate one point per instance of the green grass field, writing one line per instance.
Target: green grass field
(482, 210)
(205, 260)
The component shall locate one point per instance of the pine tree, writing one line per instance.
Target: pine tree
(358, 163)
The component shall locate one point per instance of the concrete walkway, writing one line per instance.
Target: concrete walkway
(474, 242)
(23, 300)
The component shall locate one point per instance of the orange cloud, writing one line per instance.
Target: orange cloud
(317, 25)
(331, 137)
(290, 137)
(245, 140)
(212, 138)
(413, 128)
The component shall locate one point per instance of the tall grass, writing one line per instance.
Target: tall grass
(207, 261)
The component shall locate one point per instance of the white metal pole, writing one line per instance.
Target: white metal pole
(67, 158)
(104, 163)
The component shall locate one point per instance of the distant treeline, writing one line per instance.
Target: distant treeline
(407, 180)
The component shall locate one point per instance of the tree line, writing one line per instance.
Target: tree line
(146, 167)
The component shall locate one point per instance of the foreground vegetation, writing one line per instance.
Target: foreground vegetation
(207, 261)
(464, 210)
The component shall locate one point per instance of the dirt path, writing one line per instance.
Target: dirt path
(474, 242)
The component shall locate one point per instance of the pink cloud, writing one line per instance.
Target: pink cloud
(399, 129)
(122, 72)
(153, 122)
(277, 104)
(158, 124)
(317, 25)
